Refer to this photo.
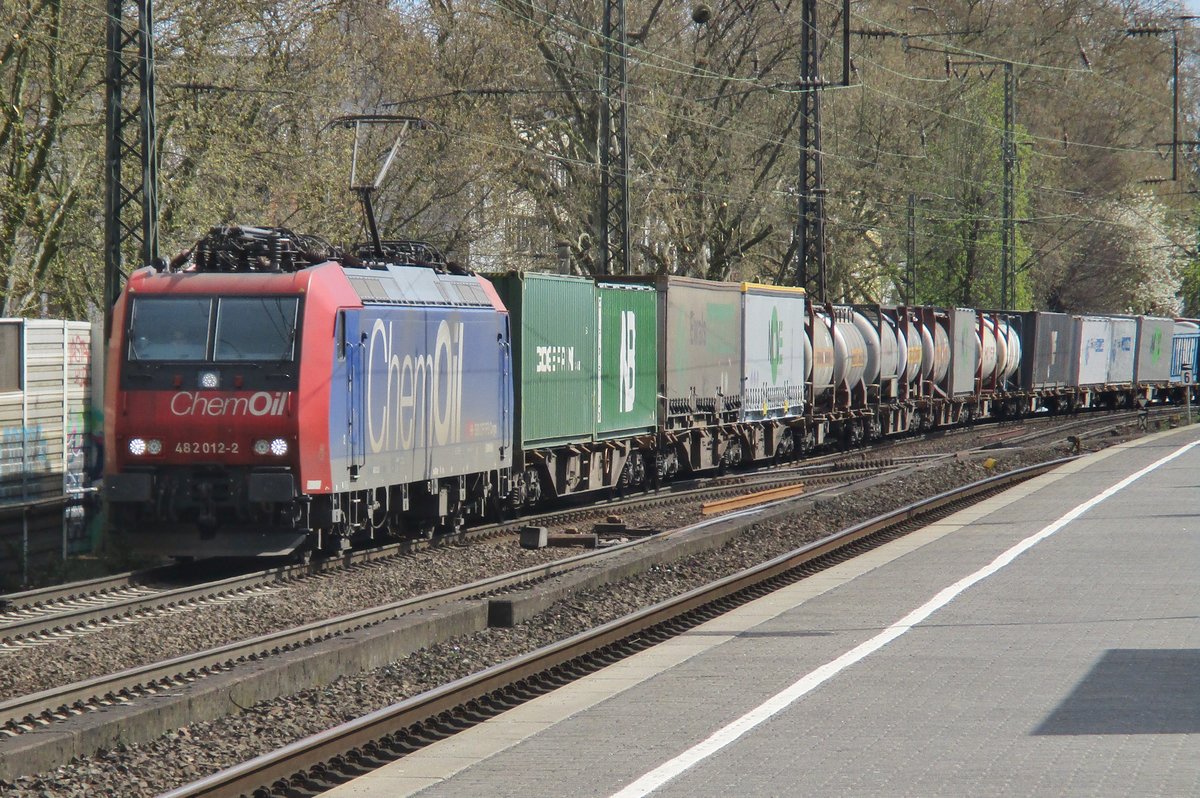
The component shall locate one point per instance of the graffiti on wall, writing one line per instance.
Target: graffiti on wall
(23, 452)
(79, 360)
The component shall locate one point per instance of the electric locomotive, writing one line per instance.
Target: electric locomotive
(270, 395)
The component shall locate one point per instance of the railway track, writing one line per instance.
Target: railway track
(32, 712)
(320, 761)
(38, 617)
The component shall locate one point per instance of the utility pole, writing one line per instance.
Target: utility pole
(1008, 238)
(810, 222)
(131, 153)
(809, 236)
(1008, 155)
(614, 145)
(1150, 30)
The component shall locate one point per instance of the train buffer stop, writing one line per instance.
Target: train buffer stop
(1045, 642)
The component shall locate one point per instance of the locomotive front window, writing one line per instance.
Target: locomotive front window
(257, 328)
(169, 329)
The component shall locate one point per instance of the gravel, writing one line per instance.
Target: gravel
(202, 748)
(115, 648)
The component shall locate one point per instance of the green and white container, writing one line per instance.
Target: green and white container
(774, 367)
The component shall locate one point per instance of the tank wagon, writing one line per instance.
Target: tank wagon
(269, 394)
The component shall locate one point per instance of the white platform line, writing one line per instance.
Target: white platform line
(781, 700)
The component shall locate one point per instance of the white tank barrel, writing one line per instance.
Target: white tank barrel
(986, 340)
(1001, 348)
(916, 352)
(891, 366)
(820, 355)
(1013, 341)
(928, 353)
(941, 351)
(872, 347)
(849, 354)
(901, 354)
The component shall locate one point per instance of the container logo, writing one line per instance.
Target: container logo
(422, 391)
(775, 344)
(262, 403)
(628, 367)
(1156, 346)
(557, 358)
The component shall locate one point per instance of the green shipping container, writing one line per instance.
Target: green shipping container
(627, 387)
(553, 322)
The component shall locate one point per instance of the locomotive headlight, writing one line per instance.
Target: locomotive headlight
(154, 446)
(137, 446)
(210, 380)
(262, 447)
(279, 447)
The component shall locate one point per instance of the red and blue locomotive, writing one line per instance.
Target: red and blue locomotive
(275, 396)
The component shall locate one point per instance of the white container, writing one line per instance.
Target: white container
(964, 361)
(935, 356)
(774, 365)
(1094, 336)
(1123, 351)
(1153, 361)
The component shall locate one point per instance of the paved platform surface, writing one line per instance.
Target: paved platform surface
(1045, 642)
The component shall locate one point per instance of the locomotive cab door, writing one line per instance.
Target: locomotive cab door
(506, 391)
(353, 347)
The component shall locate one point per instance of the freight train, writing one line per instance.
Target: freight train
(268, 394)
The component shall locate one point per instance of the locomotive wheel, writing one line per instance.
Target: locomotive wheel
(637, 464)
(533, 488)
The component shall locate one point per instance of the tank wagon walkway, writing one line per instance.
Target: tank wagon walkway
(1046, 642)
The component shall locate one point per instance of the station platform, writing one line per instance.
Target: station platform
(1045, 642)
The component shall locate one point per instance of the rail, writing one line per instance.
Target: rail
(584, 652)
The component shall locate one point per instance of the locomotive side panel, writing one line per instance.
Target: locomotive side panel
(554, 356)
(773, 364)
(435, 394)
